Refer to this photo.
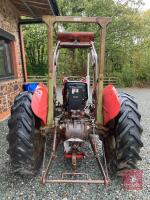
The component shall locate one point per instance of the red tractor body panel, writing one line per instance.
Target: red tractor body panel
(111, 103)
(75, 37)
(40, 102)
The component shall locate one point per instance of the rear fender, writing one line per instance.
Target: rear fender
(111, 103)
(39, 102)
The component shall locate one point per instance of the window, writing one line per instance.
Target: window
(6, 55)
(6, 70)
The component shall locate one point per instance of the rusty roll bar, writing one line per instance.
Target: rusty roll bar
(102, 22)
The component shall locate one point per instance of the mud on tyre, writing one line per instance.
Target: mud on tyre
(123, 144)
(26, 145)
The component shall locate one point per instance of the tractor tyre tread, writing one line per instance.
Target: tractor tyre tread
(21, 135)
(128, 134)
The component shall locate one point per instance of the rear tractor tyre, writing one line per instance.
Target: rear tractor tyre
(123, 144)
(26, 145)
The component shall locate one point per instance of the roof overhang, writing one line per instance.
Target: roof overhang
(36, 8)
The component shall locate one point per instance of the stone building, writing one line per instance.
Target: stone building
(12, 57)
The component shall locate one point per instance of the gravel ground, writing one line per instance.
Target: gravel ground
(15, 187)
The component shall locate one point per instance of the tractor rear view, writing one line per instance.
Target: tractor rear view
(110, 115)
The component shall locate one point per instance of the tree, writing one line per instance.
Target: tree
(35, 37)
(127, 41)
(124, 29)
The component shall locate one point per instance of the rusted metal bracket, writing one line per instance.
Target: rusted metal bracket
(52, 157)
(105, 178)
(102, 169)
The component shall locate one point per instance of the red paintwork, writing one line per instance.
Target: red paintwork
(40, 102)
(78, 156)
(75, 36)
(111, 103)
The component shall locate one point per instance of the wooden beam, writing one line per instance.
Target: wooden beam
(41, 8)
(101, 21)
(33, 8)
(28, 7)
(37, 2)
(48, 1)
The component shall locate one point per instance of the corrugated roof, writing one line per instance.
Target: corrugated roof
(36, 8)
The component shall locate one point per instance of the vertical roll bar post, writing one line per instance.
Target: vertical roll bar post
(102, 22)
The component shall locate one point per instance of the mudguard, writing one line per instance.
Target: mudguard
(39, 102)
(111, 103)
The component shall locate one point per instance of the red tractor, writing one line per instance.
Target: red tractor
(110, 115)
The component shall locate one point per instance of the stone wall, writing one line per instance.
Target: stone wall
(9, 89)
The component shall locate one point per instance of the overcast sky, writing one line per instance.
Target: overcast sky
(147, 4)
